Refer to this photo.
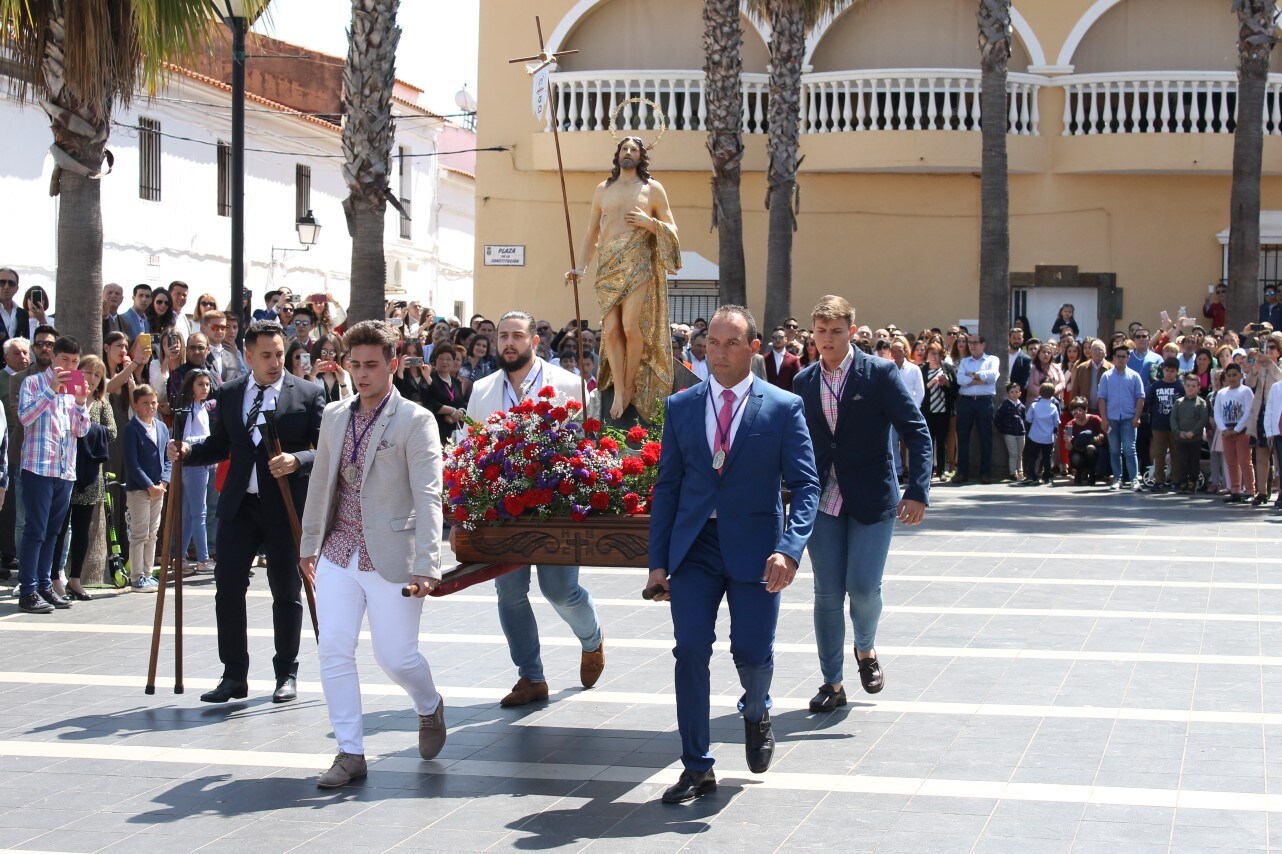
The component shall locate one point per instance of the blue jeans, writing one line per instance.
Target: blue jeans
(195, 482)
(975, 412)
(560, 586)
(848, 559)
(1121, 448)
(46, 500)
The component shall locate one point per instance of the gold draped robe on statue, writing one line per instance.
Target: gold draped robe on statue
(626, 263)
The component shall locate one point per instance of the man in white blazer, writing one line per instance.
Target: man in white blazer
(372, 524)
(521, 374)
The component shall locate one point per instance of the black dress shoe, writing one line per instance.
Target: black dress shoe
(691, 785)
(287, 690)
(827, 699)
(870, 675)
(758, 744)
(227, 690)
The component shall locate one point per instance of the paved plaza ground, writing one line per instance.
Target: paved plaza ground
(1067, 670)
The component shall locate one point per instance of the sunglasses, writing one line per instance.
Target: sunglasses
(208, 305)
(284, 308)
(43, 345)
(8, 283)
(790, 326)
(221, 326)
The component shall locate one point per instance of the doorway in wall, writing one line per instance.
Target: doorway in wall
(1095, 297)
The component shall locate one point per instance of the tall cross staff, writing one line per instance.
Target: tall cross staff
(545, 59)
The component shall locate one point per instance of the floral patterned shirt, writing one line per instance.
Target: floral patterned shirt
(347, 535)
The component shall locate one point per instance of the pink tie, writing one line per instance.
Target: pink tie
(724, 419)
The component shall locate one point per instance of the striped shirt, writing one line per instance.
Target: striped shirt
(51, 422)
(830, 386)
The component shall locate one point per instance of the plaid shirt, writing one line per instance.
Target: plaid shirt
(348, 535)
(52, 422)
(830, 386)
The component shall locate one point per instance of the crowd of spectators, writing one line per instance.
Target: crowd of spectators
(1184, 407)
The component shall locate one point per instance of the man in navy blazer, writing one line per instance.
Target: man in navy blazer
(251, 510)
(717, 530)
(852, 400)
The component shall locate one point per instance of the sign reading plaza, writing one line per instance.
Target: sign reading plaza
(504, 256)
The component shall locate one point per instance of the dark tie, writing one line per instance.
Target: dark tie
(251, 421)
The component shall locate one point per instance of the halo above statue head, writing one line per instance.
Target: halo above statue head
(660, 120)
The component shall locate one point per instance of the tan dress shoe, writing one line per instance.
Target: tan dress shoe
(525, 691)
(591, 665)
(431, 732)
(346, 768)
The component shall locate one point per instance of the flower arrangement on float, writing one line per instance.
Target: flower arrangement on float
(538, 461)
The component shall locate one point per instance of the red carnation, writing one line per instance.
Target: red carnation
(600, 500)
(530, 452)
(532, 470)
(586, 445)
(637, 435)
(491, 514)
(544, 497)
(592, 425)
(514, 505)
(577, 516)
(547, 391)
(608, 444)
(573, 405)
(632, 502)
(632, 465)
(543, 408)
(460, 514)
(650, 458)
(565, 487)
(591, 478)
(560, 413)
(492, 472)
(614, 477)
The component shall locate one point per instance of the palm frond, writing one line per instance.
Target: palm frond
(102, 51)
(812, 11)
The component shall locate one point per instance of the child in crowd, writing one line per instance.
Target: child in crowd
(1188, 425)
(1009, 420)
(146, 474)
(1162, 394)
(1232, 403)
(195, 395)
(1043, 427)
(1087, 442)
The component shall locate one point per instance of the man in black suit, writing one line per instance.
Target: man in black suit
(14, 320)
(1018, 363)
(251, 511)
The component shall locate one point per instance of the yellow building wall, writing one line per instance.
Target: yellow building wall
(893, 220)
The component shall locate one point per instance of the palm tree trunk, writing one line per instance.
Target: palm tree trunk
(1255, 43)
(368, 79)
(79, 149)
(994, 238)
(79, 278)
(787, 49)
(723, 91)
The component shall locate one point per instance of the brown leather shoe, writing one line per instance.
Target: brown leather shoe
(591, 665)
(525, 691)
(431, 732)
(346, 768)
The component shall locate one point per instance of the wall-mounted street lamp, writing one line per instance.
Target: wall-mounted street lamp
(308, 233)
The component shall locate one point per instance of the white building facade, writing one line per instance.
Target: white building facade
(166, 205)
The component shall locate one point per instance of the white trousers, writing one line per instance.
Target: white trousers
(342, 596)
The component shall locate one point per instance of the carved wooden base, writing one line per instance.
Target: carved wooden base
(599, 541)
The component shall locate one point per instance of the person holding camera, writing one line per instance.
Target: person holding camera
(445, 396)
(413, 377)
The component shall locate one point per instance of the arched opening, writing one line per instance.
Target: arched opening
(890, 34)
(656, 35)
(1162, 35)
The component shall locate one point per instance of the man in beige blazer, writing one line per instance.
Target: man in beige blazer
(521, 374)
(372, 524)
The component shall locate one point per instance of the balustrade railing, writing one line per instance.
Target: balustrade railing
(911, 99)
(898, 99)
(1161, 102)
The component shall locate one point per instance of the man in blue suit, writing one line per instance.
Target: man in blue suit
(852, 400)
(717, 530)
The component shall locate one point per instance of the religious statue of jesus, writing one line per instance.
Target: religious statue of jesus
(634, 238)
